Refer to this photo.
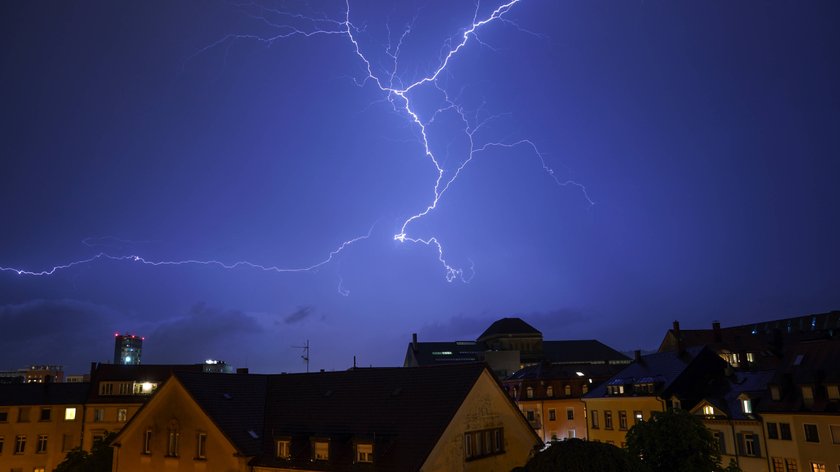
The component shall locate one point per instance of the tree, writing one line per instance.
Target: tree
(99, 458)
(675, 441)
(575, 455)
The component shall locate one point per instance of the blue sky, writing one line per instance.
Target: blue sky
(704, 134)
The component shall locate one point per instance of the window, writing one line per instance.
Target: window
(45, 414)
(201, 445)
(784, 465)
(66, 442)
(173, 437)
(42, 444)
(622, 420)
(594, 419)
(817, 467)
(570, 434)
(638, 417)
(775, 393)
(608, 419)
(122, 415)
(529, 392)
(709, 410)
(772, 431)
(106, 388)
(147, 442)
(552, 414)
(808, 393)
(567, 390)
(69, 414)
(364, 453)
(283, 448)
(746, 405)
(833, 392)
(23, 414)
(748, 444)
(570, 413)
(529, 414)
(144, 388)
(784, 431)
(721, 441)
(20, 444)
(321, 450)
(835, 433)
(487, 442)
(4, 416)
(2, 441)
(750, 357)
(811, 433)
(584, 388)
(125, 388)
(98, 415)
(549, 391)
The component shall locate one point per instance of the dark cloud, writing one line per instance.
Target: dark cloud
(66, 332)
(300, 314)
(203, 331)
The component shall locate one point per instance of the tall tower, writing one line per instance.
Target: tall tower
(127, 349)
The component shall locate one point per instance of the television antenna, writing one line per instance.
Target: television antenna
(305, 355)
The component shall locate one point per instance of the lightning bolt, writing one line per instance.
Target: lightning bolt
(399, 95)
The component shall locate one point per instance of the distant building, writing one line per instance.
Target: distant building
(508, 345)
(128, 349)
(443, 418)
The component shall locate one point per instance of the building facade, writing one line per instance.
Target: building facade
(128, 349)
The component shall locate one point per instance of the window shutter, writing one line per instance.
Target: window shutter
(757, 446)
(739, 439)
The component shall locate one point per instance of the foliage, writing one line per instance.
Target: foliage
(575, 455)
(99, 458)
(675, 441)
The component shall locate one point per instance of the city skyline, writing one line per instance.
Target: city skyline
(230, 181)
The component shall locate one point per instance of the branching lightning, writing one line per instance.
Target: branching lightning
(395, 91)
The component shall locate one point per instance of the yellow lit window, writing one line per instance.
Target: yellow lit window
(70, 414)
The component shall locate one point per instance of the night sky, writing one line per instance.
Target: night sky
(688, 168)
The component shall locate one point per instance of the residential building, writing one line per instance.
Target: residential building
(442, 418)
(652, 383)
(39, 423)
(549, 396)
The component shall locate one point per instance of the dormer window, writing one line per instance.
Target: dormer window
(283, 448)
(320, 450)
(549, 391)
(708, 410)
(746, 406)
(775, 393)
(833, 392)
(529, 392)
(567, 390)
(364, 452)
(675, 403)
(808, 394)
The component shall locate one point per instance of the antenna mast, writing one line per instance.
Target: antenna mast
(305, 355)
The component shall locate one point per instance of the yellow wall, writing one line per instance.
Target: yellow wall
(55, 429)
(561, 426)
(826, 451)
(647, 405)
(730, 430)
(485, 407)
(172, 403)
(110, 423)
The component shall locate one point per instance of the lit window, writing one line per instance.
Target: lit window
(585, 388)
(147, 442)
(364, 453)
(746, 405)
(529, 392)
(638, 417)
(283, 448)
(817, 467)
(144, 388)
(808, 393)
(322, 450)
(70, 414)
(567, 390)
(708, 410)
(201, 446)
(833, 392)
(811, 433)
(42, 444)
(122, 415)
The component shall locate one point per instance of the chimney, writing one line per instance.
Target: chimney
(414, 341)
(678, 335)
(716, 329)
(637, 355)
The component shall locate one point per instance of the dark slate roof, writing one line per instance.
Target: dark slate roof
(581, 351)
(508, 326)
(661, 367)
(403, 411)
(812, 363)
(725, 392)
(431, 353)
(235, 403)
(548, 371)
(43, 394)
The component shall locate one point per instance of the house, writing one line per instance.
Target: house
(442, 418)
(652, 383)
(550, 396)
(39, 423)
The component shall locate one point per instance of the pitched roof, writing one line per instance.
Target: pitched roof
(43, 394)
(235, 403)
(431, 353)
(725, 392)
(581, 351)
(548, 371)
(403, 411)
(811, 364)
(508, 326)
